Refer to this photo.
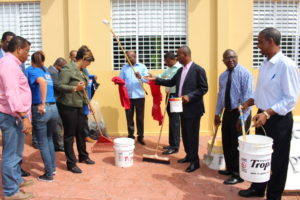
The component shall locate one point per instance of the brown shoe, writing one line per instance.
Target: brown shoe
(19, 196)
(26, 183)
(90, 140)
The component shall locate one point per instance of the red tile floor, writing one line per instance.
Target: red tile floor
(142, 181)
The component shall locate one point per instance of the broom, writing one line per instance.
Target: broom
(103, 140)
(156, 158)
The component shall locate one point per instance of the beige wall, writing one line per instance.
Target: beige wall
(213, 26)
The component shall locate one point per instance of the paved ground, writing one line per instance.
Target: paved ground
(142, 181)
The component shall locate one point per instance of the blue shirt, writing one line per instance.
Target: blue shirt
(241, 89)
(134, 89)
(34, 73)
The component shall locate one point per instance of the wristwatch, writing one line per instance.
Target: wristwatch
(268, 116)
(24, 117)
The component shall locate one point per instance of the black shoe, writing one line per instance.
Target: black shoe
(183, 160)
(60, 149)
(24, 173)
(166, 147)
(233, 180)
(170, 151)
(75, 170)
(141, 141)
(131, 136)
(45, 178)
(251, 193)
(224, 172)
(87, 161)
(192, 167)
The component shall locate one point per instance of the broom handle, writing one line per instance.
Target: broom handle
(162, 125)
(242, 122)
(140, 81)
(214, 137)
(92, 111)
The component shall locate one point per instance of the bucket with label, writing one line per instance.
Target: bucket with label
(176, 105)
(218, 162)
(255, 158)
(124, 151)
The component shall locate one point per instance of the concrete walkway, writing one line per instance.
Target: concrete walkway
(142, 181)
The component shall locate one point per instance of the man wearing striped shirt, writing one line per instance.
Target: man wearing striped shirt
(235, 87)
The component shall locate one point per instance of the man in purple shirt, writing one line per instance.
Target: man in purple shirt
(191, 86)
(15, 104)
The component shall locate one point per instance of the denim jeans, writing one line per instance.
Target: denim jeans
(44, 125)
(13, 146)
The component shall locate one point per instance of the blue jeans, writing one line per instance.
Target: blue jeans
(13, 146)
(44, 125)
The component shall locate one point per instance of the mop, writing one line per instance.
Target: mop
(106, 22)
(208, 158)
(156, 158)
(103, 143)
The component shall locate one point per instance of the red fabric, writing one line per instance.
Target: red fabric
(157, 98)
(125, 102)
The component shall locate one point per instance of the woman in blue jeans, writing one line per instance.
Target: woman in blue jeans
(44, 112)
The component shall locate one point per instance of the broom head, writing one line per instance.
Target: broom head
(156, 159)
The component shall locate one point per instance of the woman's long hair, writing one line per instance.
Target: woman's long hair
(38, 58)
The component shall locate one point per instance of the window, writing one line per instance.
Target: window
(24, 19)
(283, 15)
(149, 27)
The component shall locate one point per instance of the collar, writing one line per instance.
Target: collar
(276, 57)
(187, 66)
(14, 58)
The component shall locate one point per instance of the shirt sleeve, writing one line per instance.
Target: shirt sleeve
(12, 89)
(219, 106)
(64, 79)
(290, 87)
(34, 74)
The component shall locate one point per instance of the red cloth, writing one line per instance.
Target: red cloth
(157, 98)
(122, 91)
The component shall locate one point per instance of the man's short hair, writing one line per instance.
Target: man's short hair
(170, 55)
(273, 33)
(59, 62)
(6, 34)
(17, 42)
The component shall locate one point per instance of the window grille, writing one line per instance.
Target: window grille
(24, 19)
(283, 15)
(149, 27)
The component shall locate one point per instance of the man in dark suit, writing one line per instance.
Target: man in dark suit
(54, 70)
(191, 86)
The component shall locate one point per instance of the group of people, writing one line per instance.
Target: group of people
(58, 95)
(40, 100)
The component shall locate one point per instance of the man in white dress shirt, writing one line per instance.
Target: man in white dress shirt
(276, 95)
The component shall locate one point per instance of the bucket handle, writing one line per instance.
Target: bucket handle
(247, 132)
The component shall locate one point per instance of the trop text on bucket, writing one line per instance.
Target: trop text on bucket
(260, 164)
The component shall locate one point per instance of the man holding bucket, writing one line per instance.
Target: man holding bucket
(191, 86)
(174, 118)
(276, 95)
(235, 87)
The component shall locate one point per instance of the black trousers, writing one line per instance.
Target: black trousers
(137, 105)
(190, 136)
(73, 123)
(280, 129)
(174, 128)
(230, 139)
(58, 140)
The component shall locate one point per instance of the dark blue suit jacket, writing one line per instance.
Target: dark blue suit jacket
(195, 87)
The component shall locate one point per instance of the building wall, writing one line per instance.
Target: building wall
(213, 27)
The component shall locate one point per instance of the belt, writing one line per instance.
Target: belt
(231, 110)
(47, 104)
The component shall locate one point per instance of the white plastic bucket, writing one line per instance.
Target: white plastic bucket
(176, 105)
(218, 162)
(255, 158)
(124, 152)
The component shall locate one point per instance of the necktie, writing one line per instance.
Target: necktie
(227, 91)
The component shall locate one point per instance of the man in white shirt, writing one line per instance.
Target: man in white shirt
(276, 95)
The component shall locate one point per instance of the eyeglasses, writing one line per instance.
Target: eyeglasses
(229, 57)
